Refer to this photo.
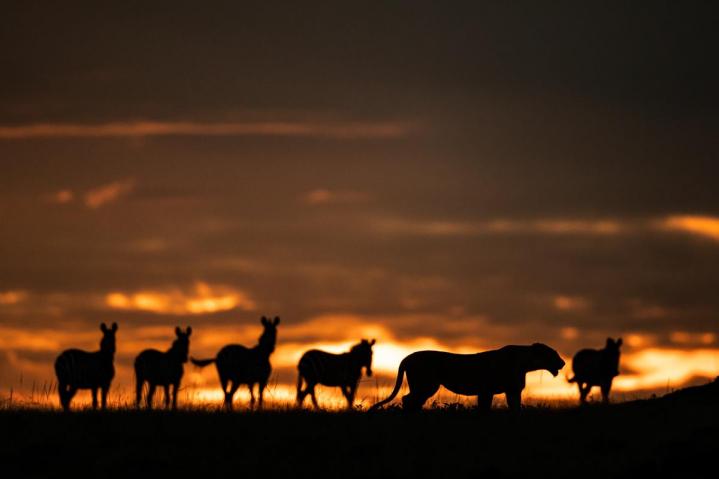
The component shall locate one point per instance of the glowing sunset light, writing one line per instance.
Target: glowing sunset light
(707, 226)
(204, 299)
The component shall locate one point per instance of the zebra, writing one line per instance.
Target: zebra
(237, 364)
(596, 367)
(77, 369)
(164, 369)
(343, 370)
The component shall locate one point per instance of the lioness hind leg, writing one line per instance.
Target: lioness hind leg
(418, 395)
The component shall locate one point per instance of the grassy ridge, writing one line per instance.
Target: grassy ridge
(672, 435)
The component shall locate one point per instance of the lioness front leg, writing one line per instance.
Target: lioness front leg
(514, 400)
(484, 402)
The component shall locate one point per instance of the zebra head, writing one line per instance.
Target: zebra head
(269, 335)
(107, 343)
(363, 353)
(181, 345)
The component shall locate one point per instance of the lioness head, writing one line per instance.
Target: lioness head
(547, 358)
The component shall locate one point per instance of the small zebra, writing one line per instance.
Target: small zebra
(237, 364)
(164, 369)
(343, 370)
(596, 367)
(77, 369)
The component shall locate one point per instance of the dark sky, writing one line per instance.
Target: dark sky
(477, 172)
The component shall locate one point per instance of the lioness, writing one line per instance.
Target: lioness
(482, 374)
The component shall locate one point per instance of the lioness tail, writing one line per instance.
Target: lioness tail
(397, 386)
(202, 362)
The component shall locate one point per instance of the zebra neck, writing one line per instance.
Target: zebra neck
(265, 349)
(106, 355)
(174, 354)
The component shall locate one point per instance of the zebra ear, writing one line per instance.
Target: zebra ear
(263, 321)
(610, 341)
(277, 320)
(178, 331)
(189, 331)
(371, 343)
(114, 327)
(103, 327)
(619, 342)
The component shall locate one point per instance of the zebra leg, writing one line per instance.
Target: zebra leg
(166, 387)
(175, 387)
(138, 391)
(312, 395)
(300, 396)
(606, 387)
(261, 387)
(62, 392)
(351, 391)
(103, 396)
(150, 394)
(251, 387)
(94, 399)
(584, 389)
(228, 400)
(229, 395)
(69, 395)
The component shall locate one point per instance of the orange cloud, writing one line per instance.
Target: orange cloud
(322, 196)
(102, 195)
(340, 130)
(460, 228)
(62, 197)
(705, 226)
(203, 299)
(570, 303)
(12, 297)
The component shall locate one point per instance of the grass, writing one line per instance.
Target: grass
(653, 437)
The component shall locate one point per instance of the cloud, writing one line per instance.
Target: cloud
(570, 303)
(322, 196)
(102, 195)
(203, 299)
(62, 197)
(337, 130)
(604, 227)
(12, 297)
(705, 226)
(687, 338)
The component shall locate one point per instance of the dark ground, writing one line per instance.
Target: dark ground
(676, 435)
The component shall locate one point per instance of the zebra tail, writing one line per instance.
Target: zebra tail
(397, 386)
(572, 380)
(202, 362)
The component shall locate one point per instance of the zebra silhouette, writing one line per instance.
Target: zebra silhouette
(77, 369)
(164, 369)
(596, 367)
(237, 364)
(343, 370)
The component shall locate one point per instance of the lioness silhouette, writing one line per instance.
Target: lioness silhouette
(482, 374)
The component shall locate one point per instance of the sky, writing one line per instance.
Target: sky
(454, 177)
